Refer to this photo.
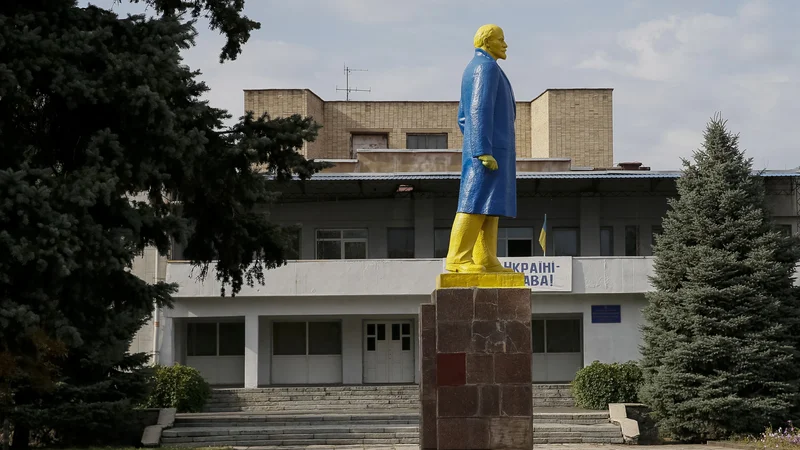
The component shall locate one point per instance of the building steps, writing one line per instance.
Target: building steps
(367, 416)
(552, 396)
(559, 433)
(310, 398)
(344, 397)
(292, 430)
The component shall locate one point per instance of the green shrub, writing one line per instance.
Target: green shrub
(597, 385)
(180, 387)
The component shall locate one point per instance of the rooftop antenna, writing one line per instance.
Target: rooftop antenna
(348, 89)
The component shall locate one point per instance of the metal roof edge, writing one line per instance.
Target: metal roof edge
(608, 174)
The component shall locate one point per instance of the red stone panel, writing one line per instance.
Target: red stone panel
(451, 369)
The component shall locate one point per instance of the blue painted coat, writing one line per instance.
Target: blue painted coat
(486, 115)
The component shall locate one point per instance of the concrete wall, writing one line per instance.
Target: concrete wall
(604, 342)
(151, 267)
(617, 342)
(399, 161)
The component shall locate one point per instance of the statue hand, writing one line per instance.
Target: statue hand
(488, 161)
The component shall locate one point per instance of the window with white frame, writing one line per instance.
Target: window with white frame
(306, 338)
(215, 339)
(342, 244)
(556, 335)
(514, 242)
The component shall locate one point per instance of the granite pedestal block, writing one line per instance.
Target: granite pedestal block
(475, 360)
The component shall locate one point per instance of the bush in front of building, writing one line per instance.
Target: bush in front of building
(721, 335)
(180, 387)
(598, 384)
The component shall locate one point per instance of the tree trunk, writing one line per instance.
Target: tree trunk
(22, 437)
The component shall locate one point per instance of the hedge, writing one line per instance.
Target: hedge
(180, 387)
(597, 385)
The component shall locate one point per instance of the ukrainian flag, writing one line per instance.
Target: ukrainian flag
(543, 236)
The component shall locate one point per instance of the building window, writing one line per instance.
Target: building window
(631, 240)
(400, 242)
(784, 229)
(342, 244)
(293, 249)
(368, 141)
(436, 141)
(556, 335)
(215, 339)
(565, 242)
(514, 242)
(441, 242)
(176, 252)
(606, 241)
(306, 338)
(655, 230)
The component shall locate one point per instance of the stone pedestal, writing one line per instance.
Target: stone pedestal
(475, 388)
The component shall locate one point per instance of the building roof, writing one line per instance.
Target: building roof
(583, 175)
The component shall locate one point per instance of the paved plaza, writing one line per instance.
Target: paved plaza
(535, 447)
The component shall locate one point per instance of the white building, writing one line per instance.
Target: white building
(372, 240)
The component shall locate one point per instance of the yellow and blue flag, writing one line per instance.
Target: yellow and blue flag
(543, 236)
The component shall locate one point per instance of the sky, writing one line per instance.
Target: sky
(672, 64)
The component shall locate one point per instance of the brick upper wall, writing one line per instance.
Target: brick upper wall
(562, 123)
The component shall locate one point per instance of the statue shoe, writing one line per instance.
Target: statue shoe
(498, 268)
(465, 268)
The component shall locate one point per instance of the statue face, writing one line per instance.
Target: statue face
(496, 44)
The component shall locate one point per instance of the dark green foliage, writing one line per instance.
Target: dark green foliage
(107, 148)
(598, 384)
(720, 344)
(180, 387)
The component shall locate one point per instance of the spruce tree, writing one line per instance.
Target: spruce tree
(107, 147)
(720, 344)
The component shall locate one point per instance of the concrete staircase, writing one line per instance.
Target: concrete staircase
(293, 430)
(552, 396)
(308, 398)
(574, 426)
(369, 416)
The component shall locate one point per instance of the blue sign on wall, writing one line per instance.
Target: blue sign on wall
(606, 314)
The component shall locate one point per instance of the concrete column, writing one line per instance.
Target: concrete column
(590, 226)
(423, 227)
(352, 350)
(166, 347)
(251, 351)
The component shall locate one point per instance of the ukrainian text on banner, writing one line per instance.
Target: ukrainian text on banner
(543, 274)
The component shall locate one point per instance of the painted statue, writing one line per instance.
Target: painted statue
(486, 115)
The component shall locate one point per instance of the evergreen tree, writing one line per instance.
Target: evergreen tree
(107, 148)
(720, 344)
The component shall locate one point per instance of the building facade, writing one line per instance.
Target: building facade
(374, 229)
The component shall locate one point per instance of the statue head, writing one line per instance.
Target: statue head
(491, 39)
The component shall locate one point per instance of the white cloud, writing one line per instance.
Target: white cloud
(676, 48)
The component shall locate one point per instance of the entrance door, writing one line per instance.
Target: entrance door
(557, 348)
(388, 354)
